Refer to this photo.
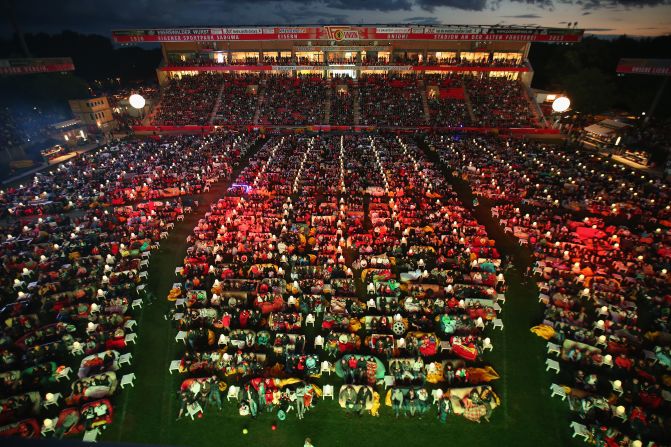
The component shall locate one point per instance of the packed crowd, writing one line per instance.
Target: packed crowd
(391, 101)
(238, 100)
(188, 100)
(73, 279)
(123, 173)
(293, 100)
(498, 102)
(600, 239)
(267, 302)
(341, 110)
(447, 106)
(382, 100)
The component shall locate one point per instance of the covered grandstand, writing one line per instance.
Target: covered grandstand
(347, 77)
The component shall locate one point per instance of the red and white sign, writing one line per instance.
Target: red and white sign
(350, 33)
(35, 65)
(657, 67)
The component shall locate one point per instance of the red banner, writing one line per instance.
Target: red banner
(452, 93)
(456, 68)
(657, 67)
(219, 68)
(327, 128)
(28, 69)
(467, 68)
(351, 33)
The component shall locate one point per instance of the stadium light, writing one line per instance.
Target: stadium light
(561, 104)
(137, 101)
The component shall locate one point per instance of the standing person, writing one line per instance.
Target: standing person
(397, 400)
(253, 407)
(300, 401)
(214, 397)
(262, 395)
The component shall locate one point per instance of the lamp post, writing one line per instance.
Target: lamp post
(559, 106)
(137, 102)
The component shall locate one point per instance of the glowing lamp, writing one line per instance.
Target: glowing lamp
(48, 423)
(617, 384)
(138, 102)
(561, 104)
(620, 410)
(49, 397)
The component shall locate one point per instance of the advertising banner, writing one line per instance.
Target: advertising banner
(347, 33)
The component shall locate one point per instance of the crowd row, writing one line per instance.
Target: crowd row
(74, 260)
(599, 235)
(342, 254)
(373, 99)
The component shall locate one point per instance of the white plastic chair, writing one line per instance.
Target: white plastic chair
(437, 394)
(233, 392)
(128, 380)
(558, 390)
(125, 358)
(552, 364)
(328, 392)
(130, 338)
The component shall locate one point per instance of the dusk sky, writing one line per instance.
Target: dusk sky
(611, 17)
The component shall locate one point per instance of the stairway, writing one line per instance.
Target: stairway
(469, 106)
(535, 108)
(425, 101)
(259, 103)
(217, 103)
(327, 105)
(356, 103)
(149, 116)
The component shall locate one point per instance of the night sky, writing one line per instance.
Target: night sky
(609, 17)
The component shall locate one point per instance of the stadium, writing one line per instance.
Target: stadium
(335, 235)
(352, 69)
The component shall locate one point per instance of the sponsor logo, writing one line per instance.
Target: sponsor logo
(339, 33)
(392, 30)
(291, 30)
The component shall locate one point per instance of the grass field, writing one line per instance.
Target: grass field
(528, 417)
